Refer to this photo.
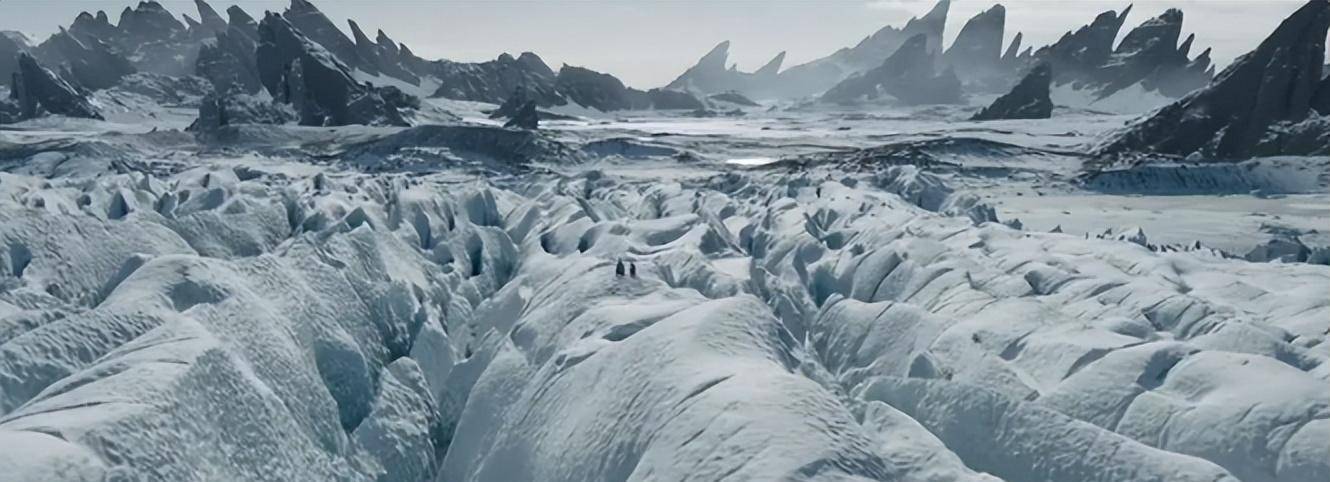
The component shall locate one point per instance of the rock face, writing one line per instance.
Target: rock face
(1078, 54)
(91, 62)
(385, 61)
(976, 54)
(317, 27)
(217, 111)
(1149, 55)
(11, 45)
(908, 76)
(526, 117)
(35, 90)
(228, 61)
(606, 93)
(492, 81)
(209, 21)
(1276, 83)
(1321, 100)
(299, 72)
(1028, 100)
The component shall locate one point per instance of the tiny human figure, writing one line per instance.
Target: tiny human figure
(618, 268)
(632, 269)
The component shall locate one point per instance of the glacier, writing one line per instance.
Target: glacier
(199, 283)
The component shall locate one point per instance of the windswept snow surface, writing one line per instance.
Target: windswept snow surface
(272, 304)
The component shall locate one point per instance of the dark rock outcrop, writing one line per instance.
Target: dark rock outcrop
(228, 60)
(35, 90)
(210, 22)
(1321, 99)
(237, 20)
(152, 38)
(908, 76)
(606, 93)
(1149, 55)
(297, 71)
(91, 62)
(148, 21)
(493, 81)
(1271, 86)
(526, 117)
(593, 89)
(11, 45)
(1028, 100)
(382, 55)
(1079, 54)
(216, 111)
(316, 26)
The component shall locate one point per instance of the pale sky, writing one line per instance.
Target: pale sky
(649, 42)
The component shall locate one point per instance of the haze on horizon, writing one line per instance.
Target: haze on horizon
(647, 43)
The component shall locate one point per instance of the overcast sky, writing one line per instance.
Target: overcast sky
(649, 42)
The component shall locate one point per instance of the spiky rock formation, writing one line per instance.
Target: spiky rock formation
(297, 71)
(1274, 84)
(494, 80)
(977, 50)
(11, 45)
(908, 76)
(317, 27)
(1149, 55)
(1080, 53)
(209, 20)
(1028, 100)
(526, 117)
(91, 62)
(35, 90)
(228, 63)
(710, 74)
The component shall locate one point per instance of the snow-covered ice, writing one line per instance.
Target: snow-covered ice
(218, 315)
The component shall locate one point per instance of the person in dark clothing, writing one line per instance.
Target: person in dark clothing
(632, 269)
(618, 268)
